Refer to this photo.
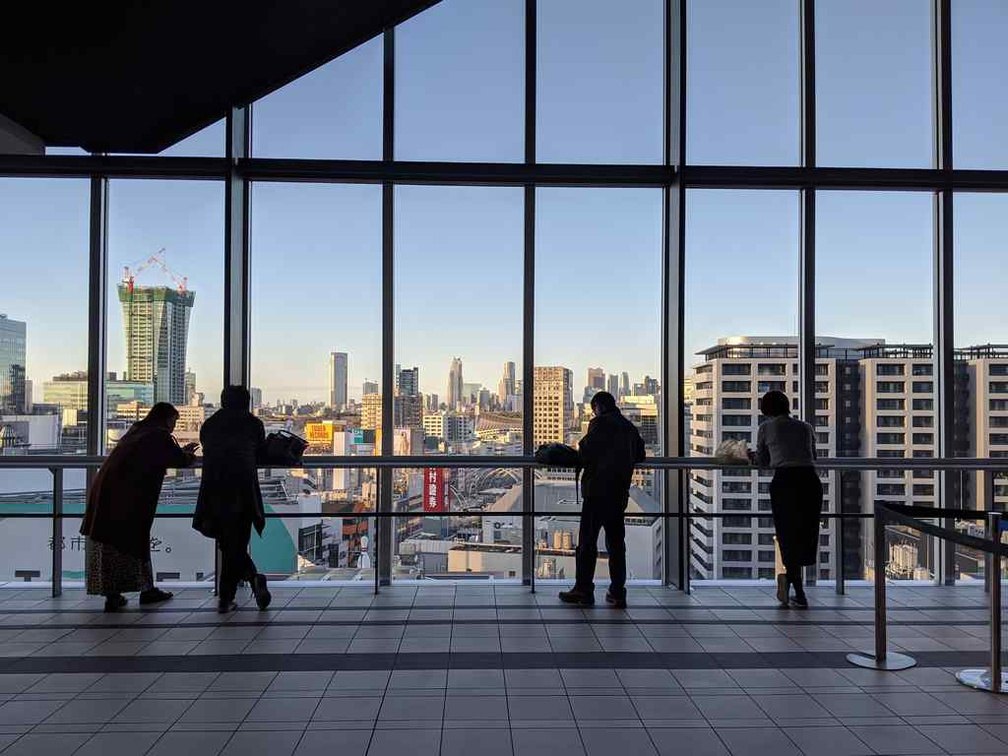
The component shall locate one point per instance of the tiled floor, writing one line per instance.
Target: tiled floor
(484, 670)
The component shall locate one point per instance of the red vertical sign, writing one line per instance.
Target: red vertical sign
(434, 488)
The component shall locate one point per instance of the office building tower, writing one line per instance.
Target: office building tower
(337, 381)
(650, 386)
(596, 378)
(612, 385)
(68, 391)
(398, 370)
(553, 405)
(370, 387)
(13, 339)
(407, 410)
(624, 384)
(506, 387)
(256, 394)
(470, 393)
(408, 382)
(190, 386)
(156, 326)
(455, 384)
(433, 404)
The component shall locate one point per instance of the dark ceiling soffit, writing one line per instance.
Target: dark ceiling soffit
(74, 90)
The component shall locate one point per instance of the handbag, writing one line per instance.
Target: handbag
(562, 455)
(284, 449)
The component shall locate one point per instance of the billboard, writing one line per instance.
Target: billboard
(435, 492)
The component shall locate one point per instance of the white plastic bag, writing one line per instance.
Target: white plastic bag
(733, 450)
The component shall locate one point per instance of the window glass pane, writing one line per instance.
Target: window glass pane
(740, 113)
(741, 340)
(873, 83)
(316, 365)
(334, 111)
(599, 82)
(981, 395)
(458, 365)
(43, 315)
(872, 346)
(598, 315)
(207, 142)
(979, 87)
(165, 301)
(460, 73)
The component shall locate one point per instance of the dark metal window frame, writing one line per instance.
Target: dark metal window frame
(238, 168)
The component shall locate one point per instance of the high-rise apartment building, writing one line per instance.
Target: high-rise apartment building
(370, 387)
(256, 394)
(407, 411)
(553, 405)
(13, 339)
(455, 384)
(156, 325)
(338, 381)
(624, 388)
(612, 385)
(506, 387)
(190, 386)
(371, 411)
(596, 378)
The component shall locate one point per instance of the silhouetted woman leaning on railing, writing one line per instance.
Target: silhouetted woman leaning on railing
(120, 509)
(787, 445)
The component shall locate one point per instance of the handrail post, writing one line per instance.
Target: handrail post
(991, 679)
(881, 659)
(994, 521)
(880, 588)
(57, 532)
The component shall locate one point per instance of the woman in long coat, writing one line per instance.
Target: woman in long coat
(787, 445)
(120, 509)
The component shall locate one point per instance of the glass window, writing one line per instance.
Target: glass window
(599, 89)
(577, 232)
(739, 113)
(43, 317)
(979, 91)
(165, 301)
(460, 78)
(206, 142)
(873, 83)
(334, 111)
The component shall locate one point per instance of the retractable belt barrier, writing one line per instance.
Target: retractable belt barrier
(992, 679)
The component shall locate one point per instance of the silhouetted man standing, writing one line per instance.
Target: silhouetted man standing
(230, 501)
(609, 451)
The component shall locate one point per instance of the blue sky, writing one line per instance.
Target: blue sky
(316, 248)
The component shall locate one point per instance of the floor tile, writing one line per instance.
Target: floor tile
(757, 741)
(92, 711)
(347, 708)
(27, 712)
(965, 739)
(120, 744)
(36, 744)
(828, 741)
(267, 743)
(526, 708)
(210, 710)
(344, 743)
(895, 740)
(624, 741)
(151, 711)
(546, 742)
(421, 742)
(284, 709)
(695, 741)
(461, 742)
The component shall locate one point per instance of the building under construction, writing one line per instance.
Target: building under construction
(156, 326)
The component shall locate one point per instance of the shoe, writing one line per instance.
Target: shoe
(225, 606)
(154, 596)
(261, 592)
(615, 602)
(115, 603)
(800, 601)
(575, 596)
(782, 589)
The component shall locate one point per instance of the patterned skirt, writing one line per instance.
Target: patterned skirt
(110, 571)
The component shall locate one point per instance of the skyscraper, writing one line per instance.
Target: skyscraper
(409, 382)
(613, 386)
(596, 378)
(337, 380)
(455, 384)
(12, 365)
(553, 405)
(370, 387)
(156, 326)
(506, 387)
(190, 386)
(624, 384)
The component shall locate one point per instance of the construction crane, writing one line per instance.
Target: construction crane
(129, 275)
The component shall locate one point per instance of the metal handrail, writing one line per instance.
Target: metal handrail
(70, 461)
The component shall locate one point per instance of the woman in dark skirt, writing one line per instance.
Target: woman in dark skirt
(787, 445)
(120, 509)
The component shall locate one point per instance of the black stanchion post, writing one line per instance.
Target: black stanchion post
(881, 659)
(991, 679)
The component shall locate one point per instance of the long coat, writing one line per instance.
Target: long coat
(609, 451)
(124, 494)
(233, 441)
